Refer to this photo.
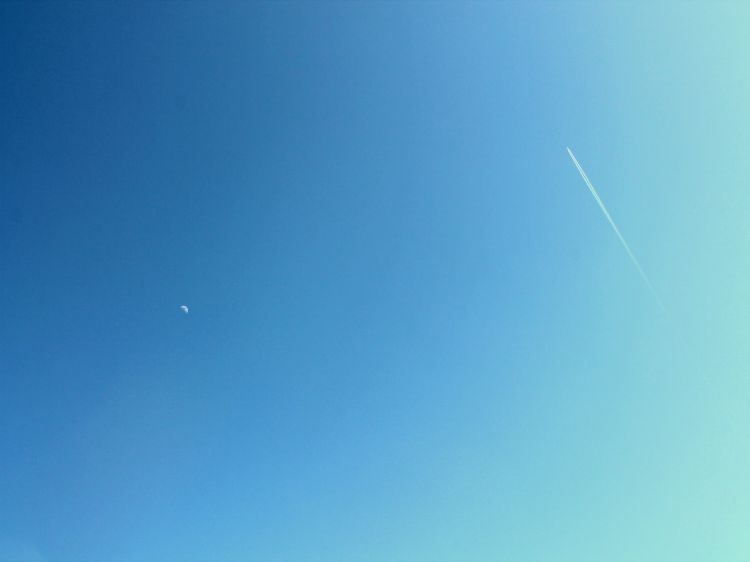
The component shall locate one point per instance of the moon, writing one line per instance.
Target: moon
(184, 309)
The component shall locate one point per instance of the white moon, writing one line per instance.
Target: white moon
(184, 309)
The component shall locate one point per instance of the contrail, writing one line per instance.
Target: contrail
(614, 227)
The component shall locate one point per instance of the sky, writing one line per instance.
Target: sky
(412, 333)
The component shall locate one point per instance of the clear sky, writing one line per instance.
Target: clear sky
(413, 335)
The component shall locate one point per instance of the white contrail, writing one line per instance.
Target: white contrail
(614, 226)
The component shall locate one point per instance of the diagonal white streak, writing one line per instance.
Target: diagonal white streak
(614, 226)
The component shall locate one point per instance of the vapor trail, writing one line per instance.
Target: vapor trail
(614, 226)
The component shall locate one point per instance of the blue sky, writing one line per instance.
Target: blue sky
(412, 334)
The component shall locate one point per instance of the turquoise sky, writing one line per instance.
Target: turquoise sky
(413, 336)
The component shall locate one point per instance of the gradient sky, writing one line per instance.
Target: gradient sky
(412, 335)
